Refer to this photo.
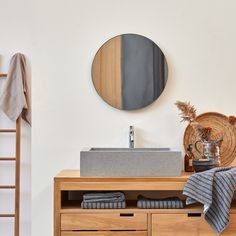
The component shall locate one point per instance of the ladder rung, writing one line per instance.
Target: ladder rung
(7, 186)
(7, 215)
(7, 158)
(3, 75)
(7, 130)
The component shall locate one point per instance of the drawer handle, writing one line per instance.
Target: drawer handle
(126, 214)
(194, 214)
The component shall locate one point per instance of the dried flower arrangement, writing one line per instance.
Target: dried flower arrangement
(188, 113)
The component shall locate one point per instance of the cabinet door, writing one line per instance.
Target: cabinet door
(180, 225)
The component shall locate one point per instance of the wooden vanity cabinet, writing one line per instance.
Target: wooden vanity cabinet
(71, 220)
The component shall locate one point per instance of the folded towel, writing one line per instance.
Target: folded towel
(103, 205)
(104, 197)
(165, 203)
(214, 189)
(16, 96)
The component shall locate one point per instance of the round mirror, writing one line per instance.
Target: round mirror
(129, 71)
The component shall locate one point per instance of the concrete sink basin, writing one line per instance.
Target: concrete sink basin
(130, 162)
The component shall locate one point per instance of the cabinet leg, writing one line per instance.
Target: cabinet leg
(57, 207)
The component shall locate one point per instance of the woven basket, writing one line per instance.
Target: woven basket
(221, 127)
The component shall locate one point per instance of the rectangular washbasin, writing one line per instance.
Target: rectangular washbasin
(130, 162)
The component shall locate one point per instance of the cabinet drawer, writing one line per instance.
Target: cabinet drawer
(180, 225)
(114, 221)
(105, 233)
(231, 229)
(187, 225)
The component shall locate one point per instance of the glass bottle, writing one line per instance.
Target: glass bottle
(188, 159)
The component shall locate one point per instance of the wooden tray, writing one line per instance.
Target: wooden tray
(220, 128)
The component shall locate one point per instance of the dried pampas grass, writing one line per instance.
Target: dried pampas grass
(188, 113)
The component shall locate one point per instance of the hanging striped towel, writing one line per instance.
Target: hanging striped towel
(165, 203)
(214, 189)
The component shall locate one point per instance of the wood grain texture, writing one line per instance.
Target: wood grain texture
(57, 207)
(16, 187)
(221, 128)
(74, 174)
(150, 224)
(182, 225)
(231, 230)
(106, 72)
(104, 233)
(17, 177)
(110, 186)
(71, 180)
(187, 209)
(179, 225)
(77, 210)
(111, 221)
(68, 215)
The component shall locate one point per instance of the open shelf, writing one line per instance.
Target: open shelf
(72, 188)
(71, 203)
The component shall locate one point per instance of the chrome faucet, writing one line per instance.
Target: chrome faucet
(131, 136)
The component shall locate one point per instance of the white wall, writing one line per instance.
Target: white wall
(198, 39)
(15, 37)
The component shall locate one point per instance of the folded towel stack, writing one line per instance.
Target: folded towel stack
(103, 200)
(165, 203)
(103, 205)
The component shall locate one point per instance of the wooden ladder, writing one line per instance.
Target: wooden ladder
(16, 187)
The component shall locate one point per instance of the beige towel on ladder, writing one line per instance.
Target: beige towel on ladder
(16, 96)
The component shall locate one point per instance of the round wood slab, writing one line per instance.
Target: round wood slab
(220, 128)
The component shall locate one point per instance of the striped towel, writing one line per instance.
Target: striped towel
(104, 197)
(166, 203)
(103, 205)
(214, 189)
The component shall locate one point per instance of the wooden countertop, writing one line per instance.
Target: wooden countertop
(71, 180)
(75, 174)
